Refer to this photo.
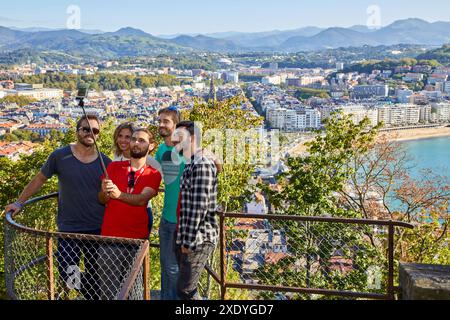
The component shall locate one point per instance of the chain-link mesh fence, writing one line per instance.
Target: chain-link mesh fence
(45, 265)
(305, 259)
(263, 258)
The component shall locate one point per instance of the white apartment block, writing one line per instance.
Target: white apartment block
(368, 91)
(440, 112)
(38, 94)
(359, 112)
(232, 77)
(293, 120)
(399, 114)
(309, 80)
(276, 117)
(275, 80)
(413, 77)
(425, 114)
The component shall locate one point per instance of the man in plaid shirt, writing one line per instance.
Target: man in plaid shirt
(197, 230)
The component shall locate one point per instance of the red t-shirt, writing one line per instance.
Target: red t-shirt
(121, 219)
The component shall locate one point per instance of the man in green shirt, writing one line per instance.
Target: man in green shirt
(172, 164)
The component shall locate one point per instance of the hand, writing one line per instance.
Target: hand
(13, 207)
(185, 250)
(112, 190)
(212, 157)
(104, 189)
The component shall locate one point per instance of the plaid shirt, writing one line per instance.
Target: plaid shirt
(197, 221)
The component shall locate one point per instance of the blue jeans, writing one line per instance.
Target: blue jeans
(168, 259)
(69, 254)
(191, 267)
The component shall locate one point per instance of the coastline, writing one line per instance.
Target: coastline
(395, 135)
(417, 133)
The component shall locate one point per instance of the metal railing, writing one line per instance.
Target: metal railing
(258, 257)
(295, 257)
(62, 266)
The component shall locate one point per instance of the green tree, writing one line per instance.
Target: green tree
(310, 188)
(19, 100)
(223, 116)
(351, 171)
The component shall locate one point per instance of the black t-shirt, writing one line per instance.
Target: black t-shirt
(79, 184)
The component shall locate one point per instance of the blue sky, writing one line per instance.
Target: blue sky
(205, 16)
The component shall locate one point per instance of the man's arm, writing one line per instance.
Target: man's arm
(31, 189)
(131, 199)
(138, 199)
(215, 159)
(155, 164)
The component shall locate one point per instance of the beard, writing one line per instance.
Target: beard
(163, 132)
(138, 154)
(84, 143)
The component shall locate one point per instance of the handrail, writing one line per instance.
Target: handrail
(224, 284)
(319, 219)
(10, 219)
(129, 282)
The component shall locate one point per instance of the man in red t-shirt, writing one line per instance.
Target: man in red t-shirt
(126, 194)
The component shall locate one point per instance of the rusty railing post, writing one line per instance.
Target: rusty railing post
(223, 287)
(49, 262)
(146, 276)
(390, 288)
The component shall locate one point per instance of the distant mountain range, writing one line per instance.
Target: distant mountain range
(133, 42)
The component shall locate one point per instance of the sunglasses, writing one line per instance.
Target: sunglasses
(131, 179)
(174, 108)
(87, 130)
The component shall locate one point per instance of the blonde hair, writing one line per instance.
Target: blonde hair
(126, 125)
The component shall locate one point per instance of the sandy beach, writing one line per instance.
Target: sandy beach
(397, 135)
(416, 134)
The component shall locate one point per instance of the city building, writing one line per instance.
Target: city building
(425, 114)
(359, 112)
(273, 66)
(35, 91)
(447, 87)
(413, 77)
(13, 150)
(44, 129)
(440, 112)
(369, 91)
(232, 77)
(339, 66)
(8, 126)
(293, 119)
(404, 95)
(275, 80)
(399, 114)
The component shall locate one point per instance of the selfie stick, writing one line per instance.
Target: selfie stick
(80, 99)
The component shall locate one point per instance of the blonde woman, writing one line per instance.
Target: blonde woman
(122, 139)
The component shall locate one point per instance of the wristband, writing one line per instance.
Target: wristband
(19, 204)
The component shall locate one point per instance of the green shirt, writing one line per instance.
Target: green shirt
(172, 164)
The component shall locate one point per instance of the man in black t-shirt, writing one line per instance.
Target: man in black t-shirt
(79, 170)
